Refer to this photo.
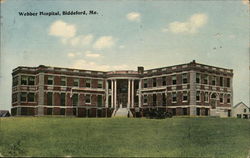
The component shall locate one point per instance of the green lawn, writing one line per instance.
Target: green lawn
(179, 137)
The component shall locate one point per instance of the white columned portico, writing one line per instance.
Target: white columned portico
(139, 93)
(132, 94)
(128, 105)
(112, 93)
(107, 94)
(115, 94)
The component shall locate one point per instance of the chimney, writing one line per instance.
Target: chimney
(140, 69)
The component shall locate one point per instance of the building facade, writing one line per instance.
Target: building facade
(241, 110)
(188, 89)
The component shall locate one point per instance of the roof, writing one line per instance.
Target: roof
(240, 103)
(4, 113)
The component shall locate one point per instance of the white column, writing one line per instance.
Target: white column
(139, 93)
(128, 93)
(112, 93)
(107, 94)
(132, 93)
(115, 94)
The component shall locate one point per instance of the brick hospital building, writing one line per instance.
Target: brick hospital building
(188, 89)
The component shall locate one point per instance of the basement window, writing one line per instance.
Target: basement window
(49, 98)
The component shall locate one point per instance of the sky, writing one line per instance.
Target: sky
(124, 35)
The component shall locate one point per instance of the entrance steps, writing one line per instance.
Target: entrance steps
(122, 112)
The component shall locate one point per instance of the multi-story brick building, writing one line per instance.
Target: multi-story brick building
(187, 89)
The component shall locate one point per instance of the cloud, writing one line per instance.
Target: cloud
(62, 29)
(73, 54)
(104, 42)
(246, 2)
(81, 40)
(83, 64)
(134, 16)
(92, 55)
(190, 26)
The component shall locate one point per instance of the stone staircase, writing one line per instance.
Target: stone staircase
(122, 112)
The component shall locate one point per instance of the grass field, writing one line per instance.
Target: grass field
(178, 137)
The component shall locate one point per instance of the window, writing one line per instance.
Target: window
(221, 81)
(184, 78)
(245, 110)
(205, 79)
(88, 99)
(24, 80)
(88, 83)
(15, 81)
(228, 98)
(173, 79)
(221, 98)
(164, 83)
(23, 97)
(100, 84)
(198, 77)
(14, 97)
(99, 100)
(154, 82)
(228, 82)
(75, 99)
(184, 111)
(50, 80)
(213, 80)
(145, 99)
(62, 99)
(62, 111)
(174, 97)
(163, 99)
(145, 83)
(31, 97)
(49, 111)
(206, 97)
(49, 98)
(63, 81)
(185, 96)
(154, 100)
(76, 83)
(31, 80)
(198, 96)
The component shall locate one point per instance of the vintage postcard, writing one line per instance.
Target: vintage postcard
(137, 78)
